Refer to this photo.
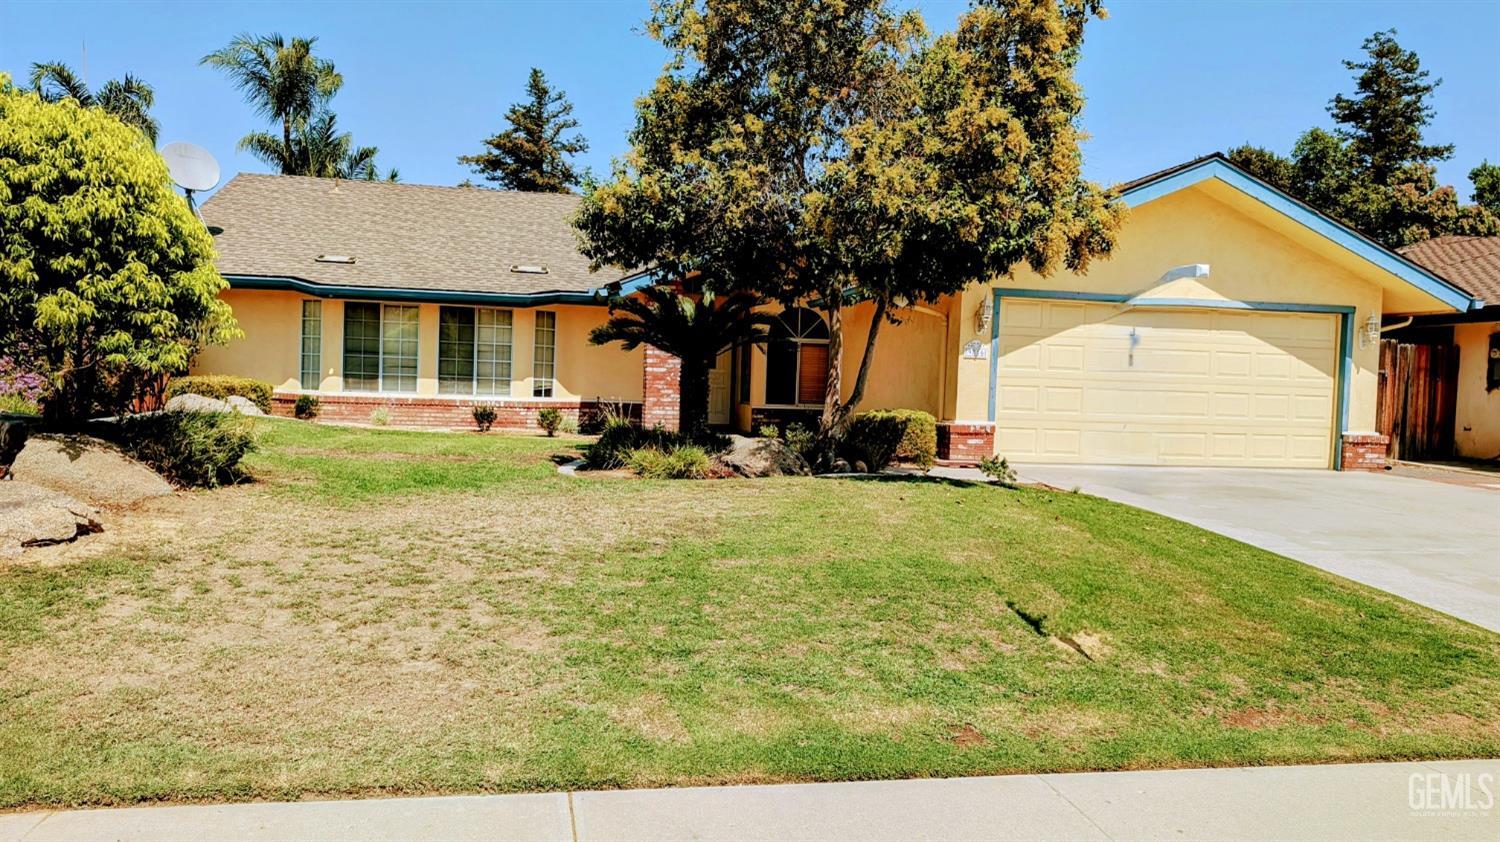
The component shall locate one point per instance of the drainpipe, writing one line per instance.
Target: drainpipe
(1398, 325)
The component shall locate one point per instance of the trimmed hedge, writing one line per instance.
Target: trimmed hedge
(221, 386)
(873, 438)
(189, 448)
(919, 442)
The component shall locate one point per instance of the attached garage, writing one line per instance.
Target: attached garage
(1117, 382)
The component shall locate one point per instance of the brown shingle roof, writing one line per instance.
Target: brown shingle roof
(1470, 262)
(402, 236)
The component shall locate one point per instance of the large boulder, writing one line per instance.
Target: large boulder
(33, 516)
(762, 457)
(189, 402)
(197, 403)
(87, 468)
(243, 405)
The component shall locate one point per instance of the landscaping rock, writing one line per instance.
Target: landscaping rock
(197, 403)
(762, 457)
(243, 405)
(87, 468)
(33, 516)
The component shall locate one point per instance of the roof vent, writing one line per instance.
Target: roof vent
(334, 258)
(528, 270)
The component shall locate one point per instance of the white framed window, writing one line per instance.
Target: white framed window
(380, 347)
(310, 375)
(544, 354)
(474, 351)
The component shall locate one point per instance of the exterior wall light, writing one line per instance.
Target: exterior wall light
(984, 315)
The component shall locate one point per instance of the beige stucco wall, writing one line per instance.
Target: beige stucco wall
(1249, 262)
(1477, 419)
(270, 349)
(906, 373)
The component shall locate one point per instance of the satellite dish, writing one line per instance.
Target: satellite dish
(191, 167)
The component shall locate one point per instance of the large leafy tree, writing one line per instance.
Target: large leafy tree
(127, 99)
(694, 327)
(830, 152)
(532, 154)
(1486, 181)
(107, 278)
(1375, 171)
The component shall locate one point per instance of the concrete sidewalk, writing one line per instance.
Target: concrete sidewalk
(1453, 800)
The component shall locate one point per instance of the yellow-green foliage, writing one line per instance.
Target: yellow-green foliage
(221, 386)
(105, 271)
(687, 461)
(919, 442)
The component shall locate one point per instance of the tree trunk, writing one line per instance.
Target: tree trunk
(288, 159)
(833, 390)
(692, 409)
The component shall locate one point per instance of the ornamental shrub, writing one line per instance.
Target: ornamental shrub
(107, 279)
(801, 439)
(919, 442)
(380, 416)
(307, 407)
(616, 440)
(549, 419)
(484, 417)
(999, 470)
(768, 431)
(221, 386)
(684, 461)
(873, 438)
(190, 448)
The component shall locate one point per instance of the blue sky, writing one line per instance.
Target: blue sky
(1166, 81)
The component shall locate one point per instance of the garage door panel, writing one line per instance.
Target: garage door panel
(1089, 382)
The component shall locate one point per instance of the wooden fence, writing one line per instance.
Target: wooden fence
(1418, 397)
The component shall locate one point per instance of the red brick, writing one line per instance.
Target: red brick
(965, 442)
(452, 412)
(1364, 452)
(661, 390)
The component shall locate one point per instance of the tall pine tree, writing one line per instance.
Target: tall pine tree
(1374, 171)
(533, 153)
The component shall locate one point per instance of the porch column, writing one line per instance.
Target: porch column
(661, 393)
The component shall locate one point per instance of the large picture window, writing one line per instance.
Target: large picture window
(380, 347)
(311, 373)
(797, 359)
(474, 351)
(544, 355)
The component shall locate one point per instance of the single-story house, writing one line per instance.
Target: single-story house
(1469, 407)
(1233, 326)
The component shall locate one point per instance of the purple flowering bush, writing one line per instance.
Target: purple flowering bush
(21, 389)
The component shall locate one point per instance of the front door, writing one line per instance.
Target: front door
(718, 390)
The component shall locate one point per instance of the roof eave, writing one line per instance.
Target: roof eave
(439, 296)
(1217, 167)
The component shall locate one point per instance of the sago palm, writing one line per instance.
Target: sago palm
(284, 82)
(129, 100)
(693, 328)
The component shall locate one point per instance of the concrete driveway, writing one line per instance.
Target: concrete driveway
(1431, 542)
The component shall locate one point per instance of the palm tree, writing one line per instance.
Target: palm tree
(284, 82)
(318, 149)
(693, 328)
(129, 99)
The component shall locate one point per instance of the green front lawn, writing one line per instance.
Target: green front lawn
(398, 612)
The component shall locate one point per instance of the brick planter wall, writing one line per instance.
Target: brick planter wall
(661, 389)
(965, 443)
(1364, 451)
(510, 413)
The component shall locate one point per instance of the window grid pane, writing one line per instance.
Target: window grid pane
(398, 348)
(544, 355)
(492, 353)
(456, 350)
(361, 346)
(311, 374)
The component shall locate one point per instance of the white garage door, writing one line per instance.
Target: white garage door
(1087, 382)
